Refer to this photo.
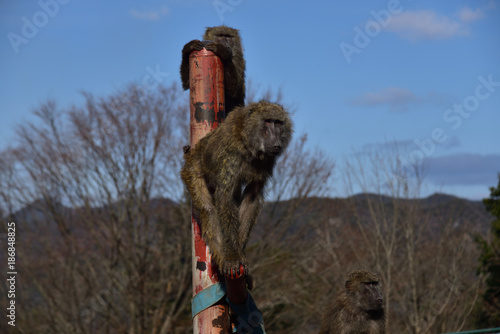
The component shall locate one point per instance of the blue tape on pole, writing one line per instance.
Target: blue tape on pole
(249, 319)
(207, 297)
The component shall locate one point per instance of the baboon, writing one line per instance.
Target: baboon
(359, 308)
(226, 172)
(225, 42)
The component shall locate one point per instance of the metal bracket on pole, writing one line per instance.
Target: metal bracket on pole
(207, 297)
(248, 318)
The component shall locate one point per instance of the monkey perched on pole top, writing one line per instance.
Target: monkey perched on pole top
(225, 42)
(226, 173)
(359, 309)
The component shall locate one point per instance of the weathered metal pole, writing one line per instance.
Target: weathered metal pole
(206, 113)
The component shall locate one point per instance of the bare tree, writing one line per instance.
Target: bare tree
(104, 236)
(427, 261)
(92, 182)
(101, 251)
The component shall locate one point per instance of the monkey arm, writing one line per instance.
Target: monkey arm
(231, 79)
(202, 200)
(226, 198)
(250, 208)
(233, 76)
(194, 45)
(193, 176)
(222, 51)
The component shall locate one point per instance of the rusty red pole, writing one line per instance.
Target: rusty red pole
(206, 113)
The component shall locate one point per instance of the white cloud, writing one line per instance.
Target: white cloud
(469, 15)
(463, 169)
(425, 24)
(400, 99)
(397, 98)
(152, 15)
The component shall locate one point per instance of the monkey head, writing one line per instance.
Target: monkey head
(366, 290)
(268, 131)
(224, 35)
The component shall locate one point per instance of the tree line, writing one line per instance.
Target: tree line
(103, 228)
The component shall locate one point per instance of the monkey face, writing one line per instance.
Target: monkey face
(224, 35)
(268, 130)
(371, 295)
(226, 40)
(272, 133)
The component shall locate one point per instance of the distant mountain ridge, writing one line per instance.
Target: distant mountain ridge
(436, 205)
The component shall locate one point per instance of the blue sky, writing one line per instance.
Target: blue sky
(425, 74)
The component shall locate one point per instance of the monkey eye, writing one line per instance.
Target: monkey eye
(371, 283)
(275, 121)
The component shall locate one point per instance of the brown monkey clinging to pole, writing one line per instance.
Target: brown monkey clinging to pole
(226, 173)
(225, 42)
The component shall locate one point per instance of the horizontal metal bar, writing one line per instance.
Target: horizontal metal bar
(489, 330)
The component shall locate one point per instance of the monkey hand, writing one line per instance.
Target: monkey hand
(243, 272)
(194, 45)
(234, 269)
(220, 50)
